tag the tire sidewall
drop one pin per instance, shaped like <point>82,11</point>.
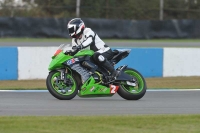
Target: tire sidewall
<point>132,96</point>
<point>55,93</point>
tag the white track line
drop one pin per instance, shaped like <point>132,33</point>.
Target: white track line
<point>150,90</point>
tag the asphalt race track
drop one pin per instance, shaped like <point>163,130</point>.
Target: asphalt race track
<point>44,104</point>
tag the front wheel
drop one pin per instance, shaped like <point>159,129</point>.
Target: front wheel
<point>133,92</point>
<point>63,90</point>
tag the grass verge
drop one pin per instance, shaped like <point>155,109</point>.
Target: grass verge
<point>101,124</point>
<point>152,83</point>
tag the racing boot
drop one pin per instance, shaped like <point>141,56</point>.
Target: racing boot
<point>114,73</point>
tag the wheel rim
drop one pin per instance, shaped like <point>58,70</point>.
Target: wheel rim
<point>60,87</point>
<point>139,82</point>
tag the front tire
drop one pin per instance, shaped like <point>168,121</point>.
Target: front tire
<point>59,89</point>
<point>130,92</point>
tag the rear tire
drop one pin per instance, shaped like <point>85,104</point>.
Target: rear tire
<point>56,87</point>
<point>133,93</point>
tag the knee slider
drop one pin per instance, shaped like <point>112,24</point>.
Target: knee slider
<point>101,58</point>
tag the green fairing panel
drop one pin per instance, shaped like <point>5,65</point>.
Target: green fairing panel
<point>92,89</point>
<point>58,60</point>
<point>84,52</point>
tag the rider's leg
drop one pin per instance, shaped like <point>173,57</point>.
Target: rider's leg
<point>102,61</point>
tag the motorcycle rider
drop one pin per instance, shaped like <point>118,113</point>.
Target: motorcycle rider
<point>85,38</point>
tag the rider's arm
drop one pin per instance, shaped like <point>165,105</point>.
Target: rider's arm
<point>73,52</point>
<point>89,35</point>
<point>73,42</point>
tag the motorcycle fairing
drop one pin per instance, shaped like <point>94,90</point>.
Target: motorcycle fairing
<point>57,61</point>
<point>76,64</point>
<point>93,89</point>
<point>84,52</point>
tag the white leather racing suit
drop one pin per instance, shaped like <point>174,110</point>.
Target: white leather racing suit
<point>90,40</point>
<point>103,53</point>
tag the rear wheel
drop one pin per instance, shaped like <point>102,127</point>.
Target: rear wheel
<point>60,89</point>
<point>132,92</point>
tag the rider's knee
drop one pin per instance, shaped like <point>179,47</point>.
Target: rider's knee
<point>99,58</point>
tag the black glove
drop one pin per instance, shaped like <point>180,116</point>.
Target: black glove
<point>77,47</point>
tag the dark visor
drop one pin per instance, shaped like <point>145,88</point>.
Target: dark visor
<point>71,30</point>
<point>74,36</point>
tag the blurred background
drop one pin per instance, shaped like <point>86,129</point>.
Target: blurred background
<point>110,9</point>
<point>135,19</point>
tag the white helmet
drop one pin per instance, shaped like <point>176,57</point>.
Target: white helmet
<point>75,27</point>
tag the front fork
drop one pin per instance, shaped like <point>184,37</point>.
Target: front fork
<point>63,75</point>
<point>66,81</point>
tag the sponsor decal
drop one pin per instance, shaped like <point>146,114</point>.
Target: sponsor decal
<point>92,89</point>
<point>113,89</point>
<point>72,61</point>
<point>83,89</point>
<point>103,90</point>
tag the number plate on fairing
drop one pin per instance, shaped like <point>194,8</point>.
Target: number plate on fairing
<point>113,89</point>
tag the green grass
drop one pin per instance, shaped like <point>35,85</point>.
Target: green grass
<point>106,40</point>
<point>101,124</point>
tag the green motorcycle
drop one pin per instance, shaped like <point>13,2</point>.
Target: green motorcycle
<point>75,73</point>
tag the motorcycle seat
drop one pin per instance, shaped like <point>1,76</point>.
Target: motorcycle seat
<point>119,54</point>
<point>115,52</point>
